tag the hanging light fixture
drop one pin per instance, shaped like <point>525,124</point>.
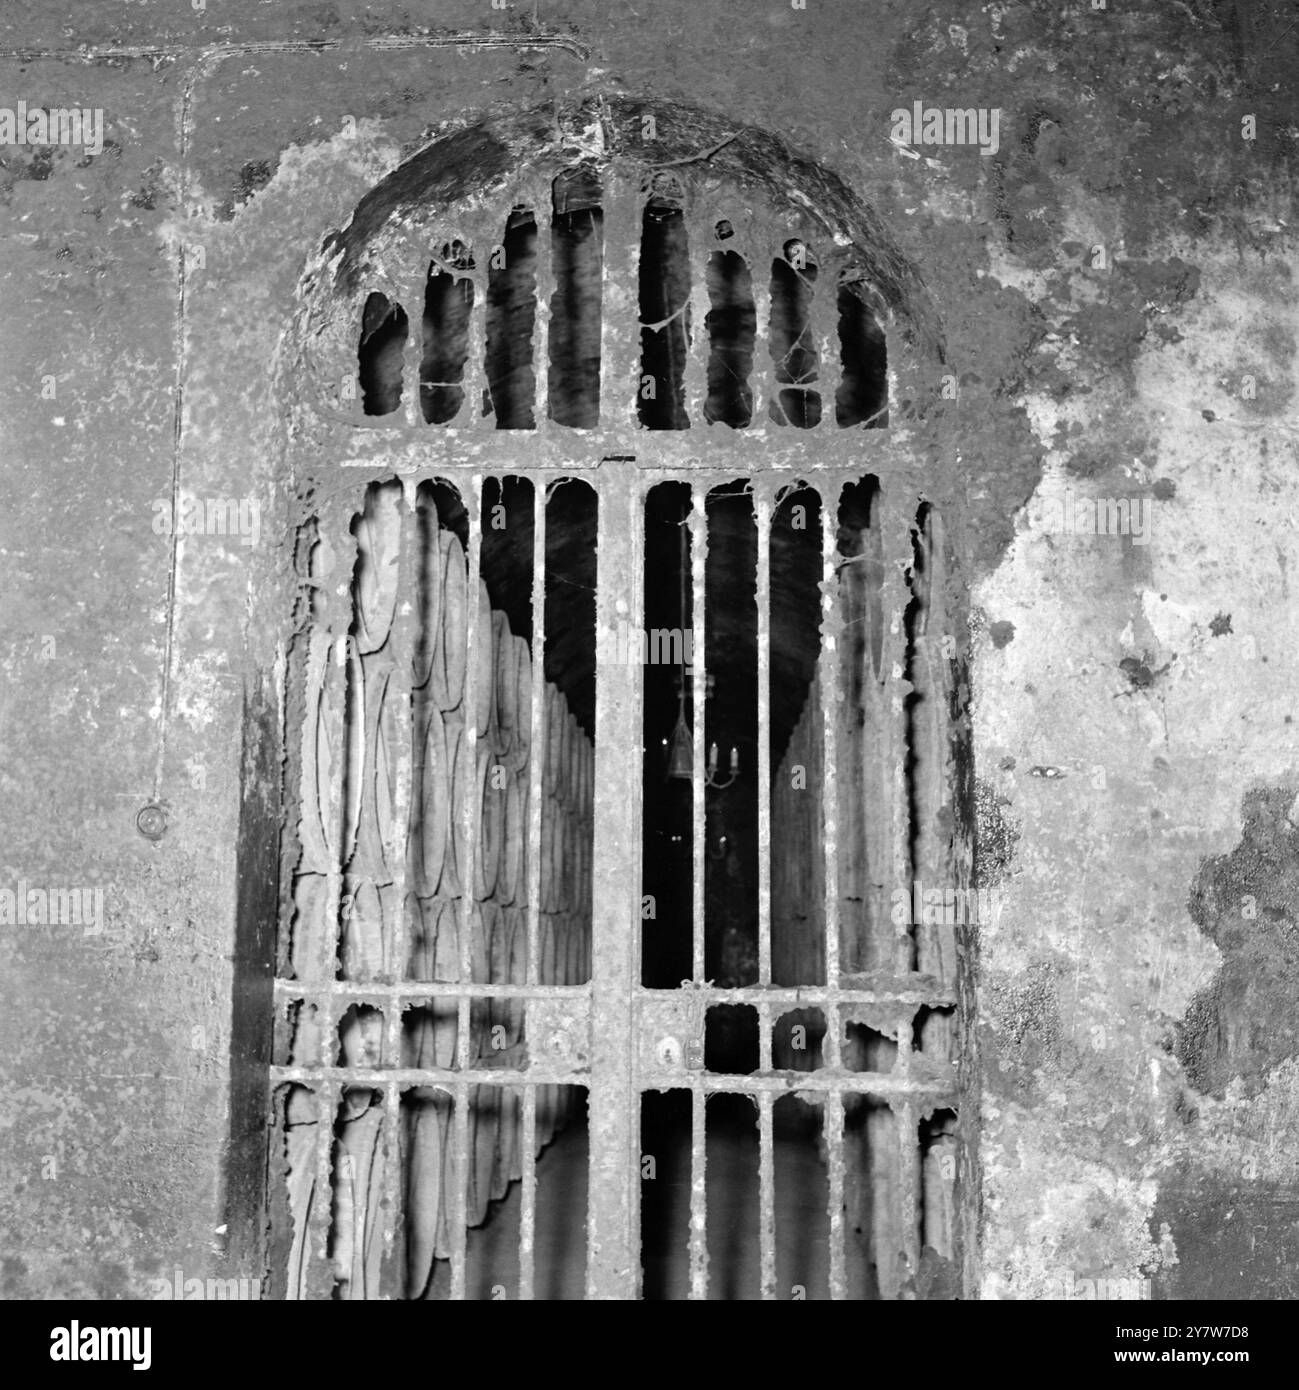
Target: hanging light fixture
<point>681,743</point>
<point>681,749</point>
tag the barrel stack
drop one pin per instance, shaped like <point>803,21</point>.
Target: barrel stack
<point>390,748</point>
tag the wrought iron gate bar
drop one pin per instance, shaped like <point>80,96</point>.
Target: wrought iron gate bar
<point>925,993</point>
<point>539,734</point>
<point>937,1087</point>
<point>766,1194</point>
<point>762,520</point>
<point>673,458</point>
<point>611,1028</point>
<point>698,1195</point>
<point>612,1208</point>
<point>528,1204</point>
<point>698,626</point>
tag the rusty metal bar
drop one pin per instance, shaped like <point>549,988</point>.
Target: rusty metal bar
<point>390,1148</point>
<point>937,1086</point>
<point>762,519</point>
<point>340,617</point>
<point>612,1254</point>
<point>823,331</point>
<point>938,860</point>
<point>834,1150</point>
<point>830,692</point>
<point>884,1084</point>
<point>762,375</point>
<point>411,299</point>
<point>400,689</point>
<point>926,992</point>
<point>460,1171</point>
<point>620,359</point>
<point>543,290</point>
<point>539,723</point>
<point>895,524</point>
<point>471,497</point>
<point>831,695</point>
<point>322,1214</point>
<point>907,1127</point>
<point>474,377</point>
<point>799,453</point>
<point>698,722</point>
<point>699,1188</point>
<point>695,371</point>
<point>909,1178</point>
<point>528,1195</point>
<point>416,990</point>
<point>766,1191</point>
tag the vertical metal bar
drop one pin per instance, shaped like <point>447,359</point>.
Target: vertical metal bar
<point>823,330</point>
<point>469,752</point>
<point>698,718</point>
<point>895,524</point>
<point>762,378</point>
<point>470,414</point>
<point>831,625</point>
<point>538,735</point>
<point>695,372</point>
<point>875,748</point>
<point>829,683</point>
<point>908,1131</point>
<point>389,1142</point>
<point>472,499</point>
<point>528,1196</point>
<point>405,618</point>
<point>834,1152</point>
<point>612,1256</point>
<point>620,359</point>
<point>540,731</point>
<point>543,289</point>
<point>698,1195</point>
<point>339,616</point>
<point>460,1169</point>
<point>412,304</point>
<point>762,506</point>
<point>766,1188</point>
<point>322,1215</point>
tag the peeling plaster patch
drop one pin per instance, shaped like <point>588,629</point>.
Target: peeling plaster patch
<point>995,836</point>
<point>363,150</point>
<point>1234,1170</point>
<point>254,175</point>
<point>1026,1013</point>
<point>1236,351</point>
<point>1247,903</point>
<point>1058,1220</point>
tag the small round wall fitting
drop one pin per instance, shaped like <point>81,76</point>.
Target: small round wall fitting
<point>151,821</point>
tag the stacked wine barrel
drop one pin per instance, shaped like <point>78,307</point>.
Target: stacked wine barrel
<point>505,778</point>
<point>409,760</point>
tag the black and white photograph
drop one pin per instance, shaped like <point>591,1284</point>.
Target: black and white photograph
<point>649,653</point>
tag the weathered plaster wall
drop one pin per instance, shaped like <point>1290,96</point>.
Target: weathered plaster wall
<point>1131,1123</point>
